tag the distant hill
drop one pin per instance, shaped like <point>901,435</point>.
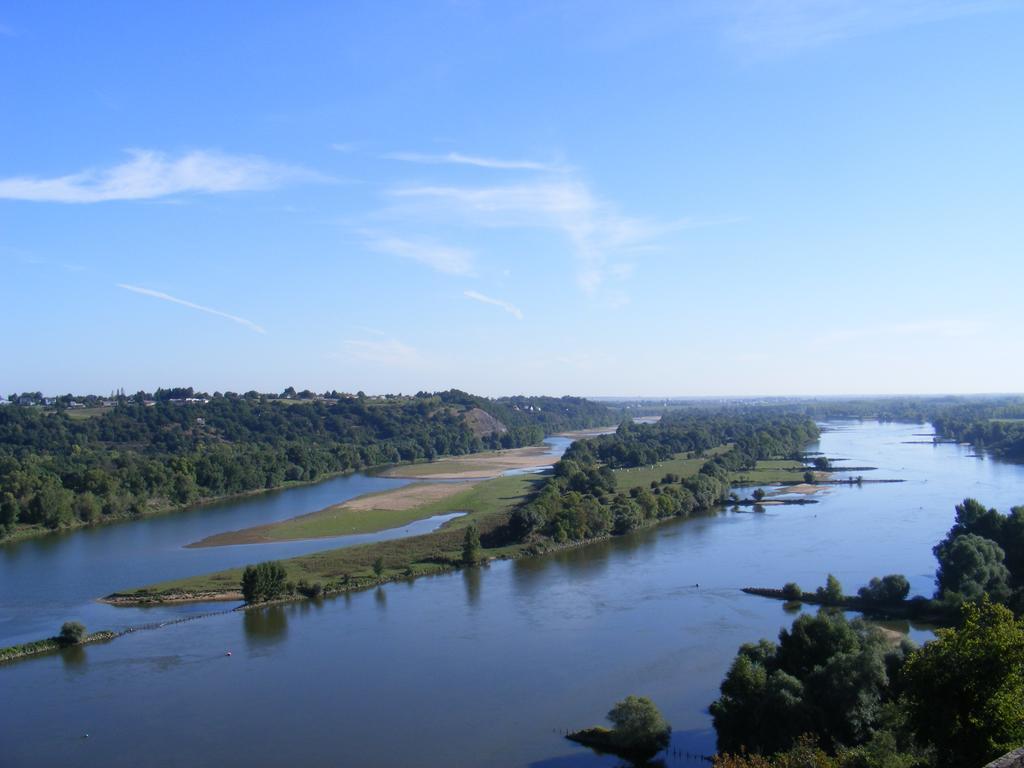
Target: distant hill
<point>77,460</point>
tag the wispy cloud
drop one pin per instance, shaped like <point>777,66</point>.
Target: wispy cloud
<point>512,309</point>
<point>345,148</point>
<point>777,26</point>
<point>149,174</point>
<point>600,237</point>
<point>191,305</point>
<point>443,258</point>
<point>457,158</point>
<point>384,351</point>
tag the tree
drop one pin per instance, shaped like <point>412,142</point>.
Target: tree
<point>378,567</point>
<point>889,589</point>
<point>970,567</point>
<point>639,726</point>
<point>471,545</point>
<point>8,512</point>
<point>758,494</point>
<point>792,591</point>
<point>808,477</point>
<point>825,675</point>
<point>822,464</point>
<point>965,690</point>
<point>263,582</point>
<point>832,592</point>
<point>71,633</point>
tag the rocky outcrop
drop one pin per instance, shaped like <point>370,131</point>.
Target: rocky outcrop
<point>1013,759</point>
<point>482,423</point>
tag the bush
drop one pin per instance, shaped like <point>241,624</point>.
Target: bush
<point>792,591</point>
<point>310,590</point>
<point>639,726</point>
<point>893,588</point>
<point>71,633</point>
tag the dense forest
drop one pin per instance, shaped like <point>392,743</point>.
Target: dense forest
<point>74,461</point>
<point>582,500</point>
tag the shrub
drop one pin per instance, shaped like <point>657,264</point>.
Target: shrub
<point>71,633</point>
<point>890,589</point>
<point>792,591</point>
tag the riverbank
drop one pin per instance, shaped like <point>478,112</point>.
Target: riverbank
<point>51,645</point>
<point>477,466</point>
<point>370,513</point>
<point>338,569</point>
<point>487,505</point>
<point>918,609</point>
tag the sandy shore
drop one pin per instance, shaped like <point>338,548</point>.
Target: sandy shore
<point>397,500</point>
<point>476,466</point>
<point>804,488</point>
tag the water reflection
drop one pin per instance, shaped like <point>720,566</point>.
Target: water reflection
<point>471,577</point>
<point>265,626</point>
<point>74,658</point>
<point>380,597</point>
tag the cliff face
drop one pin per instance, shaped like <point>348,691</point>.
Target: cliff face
<point>1013,759</point>
<point>482,423</point>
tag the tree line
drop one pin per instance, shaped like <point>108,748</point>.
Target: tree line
<point>582,499</point>
<point>174,447</point>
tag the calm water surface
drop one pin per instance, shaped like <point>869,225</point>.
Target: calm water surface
<point>479,667</point>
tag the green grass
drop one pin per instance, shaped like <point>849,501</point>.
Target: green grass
<point>81,414</point>
<point>774,471</point>
<point>483,498</point>
<point>679,464</point>
<point>488,505</point>
<point>642,476</point>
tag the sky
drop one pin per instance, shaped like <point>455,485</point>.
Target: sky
<point>739,197</point>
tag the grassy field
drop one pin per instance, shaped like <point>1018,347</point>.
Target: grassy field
<point>642,476</point>
<point>781,471</point>
<point>488,504</point>
<point>81,414</point>
<point>679,464</point>
<point>482,498</point>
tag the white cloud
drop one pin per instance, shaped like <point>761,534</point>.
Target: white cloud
<point>600,237</point>
<point>384,351</point>
<point>783,25</point>
<point>149,174</point>
<point>208,310</point>
<point>457,158</point>
<point>510,308</point>
<point>443,258</point>
<point>343,147</point>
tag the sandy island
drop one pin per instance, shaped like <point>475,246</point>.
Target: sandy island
<point>476,466</point>
<point>391,509</point>
<point>350,514</point>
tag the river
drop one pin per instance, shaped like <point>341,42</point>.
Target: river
<point>479,667</point>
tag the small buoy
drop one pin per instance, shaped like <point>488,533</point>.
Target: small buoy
<point>228,653</point>
<point>85,735</point>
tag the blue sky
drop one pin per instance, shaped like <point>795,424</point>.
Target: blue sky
<point>720,198</point>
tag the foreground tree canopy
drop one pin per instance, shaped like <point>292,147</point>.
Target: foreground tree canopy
<point>825,676</point>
